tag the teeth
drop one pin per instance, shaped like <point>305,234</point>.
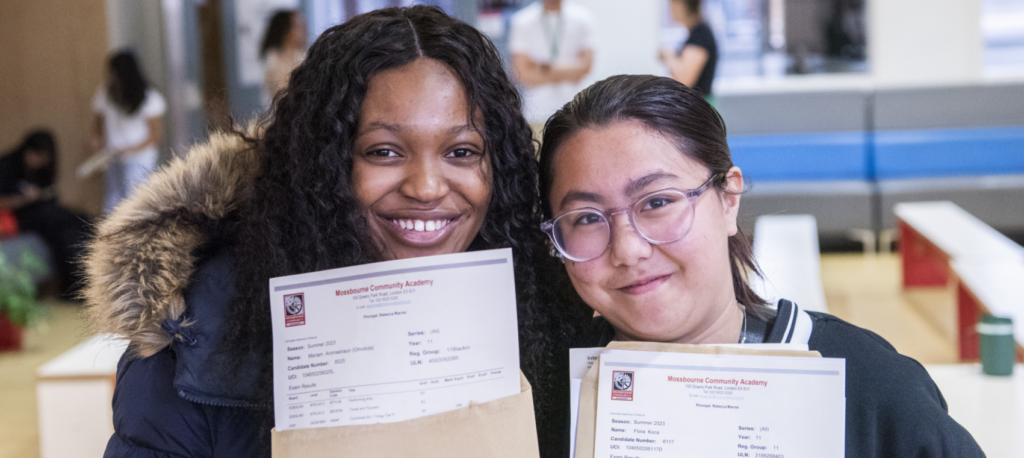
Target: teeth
<point>421,225</point>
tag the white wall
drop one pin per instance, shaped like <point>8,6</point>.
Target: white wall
<point>626,37</point>
<point>925,41</point>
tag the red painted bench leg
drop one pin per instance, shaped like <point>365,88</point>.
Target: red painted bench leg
<point>967,313</point>
<point>923,263</point>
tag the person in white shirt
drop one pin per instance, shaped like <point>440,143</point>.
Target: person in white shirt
<point>283,48</point>
<point>552,51</point>
<point>129,124</point>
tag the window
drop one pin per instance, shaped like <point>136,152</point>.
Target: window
<point>1002,26</point>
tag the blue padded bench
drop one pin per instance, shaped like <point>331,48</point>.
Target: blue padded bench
<point>962,143</point>
<point>802,157</point>
<point>949,152</point>
<point>804,153</point>
<point>848,156</point>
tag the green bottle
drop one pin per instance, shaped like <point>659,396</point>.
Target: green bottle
<point>998,349</point>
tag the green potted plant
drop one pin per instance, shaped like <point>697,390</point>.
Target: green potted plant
<point>18,306</point>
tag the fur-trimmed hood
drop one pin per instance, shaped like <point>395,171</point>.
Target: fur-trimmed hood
<point>142,257</point>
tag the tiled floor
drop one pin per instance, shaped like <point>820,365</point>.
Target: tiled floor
<point>864,290</point>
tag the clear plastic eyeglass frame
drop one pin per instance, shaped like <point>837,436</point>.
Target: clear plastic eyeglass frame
<point>691,195</point>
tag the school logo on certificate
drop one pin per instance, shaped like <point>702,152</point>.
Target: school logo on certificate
<point>294,310</point>
<point>622,385</point>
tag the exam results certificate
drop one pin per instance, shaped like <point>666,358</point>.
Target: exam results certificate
<point>395,340</point>
<point>677,404</point>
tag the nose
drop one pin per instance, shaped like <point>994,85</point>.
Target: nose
<point>425,180</point>
<point>628,247</point>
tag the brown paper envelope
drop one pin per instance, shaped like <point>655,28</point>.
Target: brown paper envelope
<point>501,428</point>
<point>587,422</point>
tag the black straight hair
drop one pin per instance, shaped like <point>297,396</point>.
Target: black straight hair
<point>128,87</point>
<point>280,24</point>
<point>42,141</point>
<point>673,110</point>
<point>693,6</point>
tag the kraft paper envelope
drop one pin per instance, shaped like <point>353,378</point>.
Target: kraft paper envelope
<point>588,389</point>
<point>501,428</point>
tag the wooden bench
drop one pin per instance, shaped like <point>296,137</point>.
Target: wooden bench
<point>786,250</point>
<point>74,393</point>
<point>988,287</point>
<point>934,233</point>
<point>990,408</point>
<point>943,245</point>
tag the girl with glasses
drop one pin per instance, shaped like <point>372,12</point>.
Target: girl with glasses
<point>641,197</point>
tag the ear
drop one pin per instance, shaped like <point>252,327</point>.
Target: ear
<point>731,198</point>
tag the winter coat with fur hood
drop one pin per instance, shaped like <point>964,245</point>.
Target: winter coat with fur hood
<point>158,275</point>
<point>160,283</point>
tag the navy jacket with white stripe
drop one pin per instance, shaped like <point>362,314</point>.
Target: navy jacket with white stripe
<point>893,408</point>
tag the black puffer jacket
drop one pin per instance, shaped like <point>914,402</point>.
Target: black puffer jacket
<point>186,400</point>
<point>158,276</point>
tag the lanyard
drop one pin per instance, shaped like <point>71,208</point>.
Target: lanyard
<point>553,38</point>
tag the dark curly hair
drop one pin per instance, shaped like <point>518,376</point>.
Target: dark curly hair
<point>675,111</point>
<point>303,215</point>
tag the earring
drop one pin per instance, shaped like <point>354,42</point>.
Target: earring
<point>554,253</point>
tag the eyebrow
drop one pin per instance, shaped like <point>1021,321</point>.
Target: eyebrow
<point>581,196</point>
<point>637,185</point>
<point>377,125</point>
<point>398,129</point>
<point>633,187</point>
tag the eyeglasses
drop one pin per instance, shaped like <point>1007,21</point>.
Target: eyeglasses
<point>663,216</point>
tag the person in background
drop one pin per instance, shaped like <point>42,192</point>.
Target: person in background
<point>283,48</point>
<point>27,178</point>
<point>552,51</point>
<point>693,64</point>
<point>128,124</point>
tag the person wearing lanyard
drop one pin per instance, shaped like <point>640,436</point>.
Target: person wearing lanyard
<point>552,52</point>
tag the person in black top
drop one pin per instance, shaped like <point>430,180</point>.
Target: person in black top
<point>27,177</point>
<point>693,64</point>
<point>641,199</point>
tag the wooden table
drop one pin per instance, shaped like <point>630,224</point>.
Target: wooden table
<point>941,244</point>
<point>995,287</point>
<point>990,408</point>
<point>934,233</point>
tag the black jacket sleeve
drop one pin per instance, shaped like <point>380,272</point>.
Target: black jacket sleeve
<point>893,408</point>
<point>150,419</point>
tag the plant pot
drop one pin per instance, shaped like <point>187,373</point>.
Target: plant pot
<point>10,334</point>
